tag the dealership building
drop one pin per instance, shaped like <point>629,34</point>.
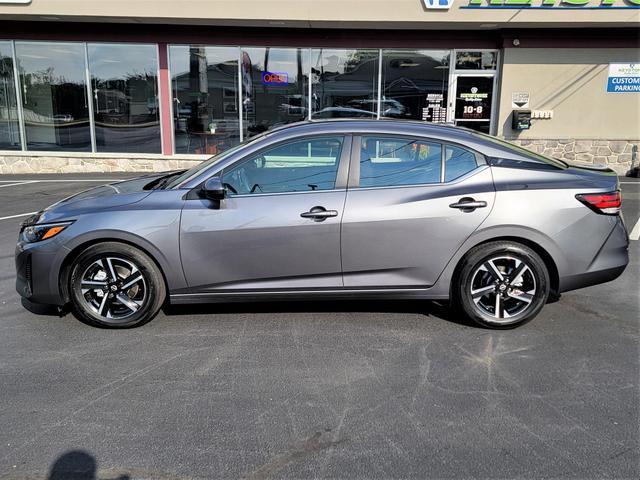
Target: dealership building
<point>88,86</point>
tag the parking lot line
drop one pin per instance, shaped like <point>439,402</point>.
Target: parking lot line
<point>635,232</point>
<point>17,216</point>
<point>25,182</point>
<point>51,180</point>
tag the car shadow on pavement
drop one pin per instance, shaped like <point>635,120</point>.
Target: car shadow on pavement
<point>440,310</point>
<point>78,465</point>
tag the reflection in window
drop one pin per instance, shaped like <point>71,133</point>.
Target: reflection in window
<point>415,84</point>
<point>482,127</point>
<point>274,86</point>
<point>458,161</point>
<point>54,95</point>
<point>205,98</point>
<point>9,128</point>
<point>344,83</point>
<point>399,161</point>
<point>124,85</point>
<point>476,60</point>
<point>300,166</point>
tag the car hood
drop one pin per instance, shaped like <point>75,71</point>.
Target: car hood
<point>98,198</point>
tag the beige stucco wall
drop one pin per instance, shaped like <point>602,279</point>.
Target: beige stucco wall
<point>315,13</point>
<point>571,82</point>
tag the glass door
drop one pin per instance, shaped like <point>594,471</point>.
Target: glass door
<point>472,101</point>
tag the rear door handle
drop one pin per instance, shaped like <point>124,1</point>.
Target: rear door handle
<point>468,204</point>
<point>319,214</point>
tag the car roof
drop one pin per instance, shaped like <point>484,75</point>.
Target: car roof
<point>375,125</point>
<point>382,127</point>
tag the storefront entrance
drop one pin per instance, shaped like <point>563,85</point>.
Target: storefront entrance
<point>472,101</point>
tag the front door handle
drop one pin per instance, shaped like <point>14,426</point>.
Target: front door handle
<point>468,204</point>
<point>318,214</point>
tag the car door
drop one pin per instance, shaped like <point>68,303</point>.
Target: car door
<point>278,226</point>
<point>411,203</point>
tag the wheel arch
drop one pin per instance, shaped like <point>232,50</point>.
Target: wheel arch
<point>65,268</point>
<point>547,258</point>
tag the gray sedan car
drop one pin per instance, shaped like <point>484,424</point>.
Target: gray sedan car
<point>333,210</point>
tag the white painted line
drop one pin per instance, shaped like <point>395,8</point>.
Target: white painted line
<point>17,216</point>
<point>69,180</point>
<point>635,233</point>
<point>630,183</point>
<point>16,184</point>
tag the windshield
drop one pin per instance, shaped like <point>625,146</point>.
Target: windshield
<point>192,172</point>
<point>523,151</point>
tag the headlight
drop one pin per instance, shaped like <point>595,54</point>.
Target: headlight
<point>36,233</point>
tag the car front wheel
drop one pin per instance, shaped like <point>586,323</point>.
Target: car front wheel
<point>501,284</point>
<point>115,285</point>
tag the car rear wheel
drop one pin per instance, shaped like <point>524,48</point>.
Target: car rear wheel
<point>115,285</point>
<point>501,285</point>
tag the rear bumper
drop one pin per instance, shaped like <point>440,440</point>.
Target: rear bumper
<point>608,264</point>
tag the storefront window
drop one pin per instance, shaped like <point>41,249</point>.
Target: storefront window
<point>344,83</point>
<point>9,127</point>
<point>54,96</point>
<point>274,87</point>
<point>476,60</point>
<point>415,84</point>
<point>205,98</point>
<point>124,87</point>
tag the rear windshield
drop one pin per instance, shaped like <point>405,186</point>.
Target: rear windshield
<point>523,151</point>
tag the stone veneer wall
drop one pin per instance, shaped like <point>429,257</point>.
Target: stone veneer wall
<point>22,163</point>
<point>616,154</point>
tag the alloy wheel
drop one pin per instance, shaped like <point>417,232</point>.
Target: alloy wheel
<point>503,287</point>
<point>113,288</point>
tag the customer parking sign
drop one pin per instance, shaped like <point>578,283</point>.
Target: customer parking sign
<point>624,78</point>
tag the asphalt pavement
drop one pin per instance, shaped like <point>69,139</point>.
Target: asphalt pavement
<point>317,390</point>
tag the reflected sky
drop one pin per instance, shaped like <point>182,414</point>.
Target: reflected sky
<point>66,60</point>
<point>112,61</point>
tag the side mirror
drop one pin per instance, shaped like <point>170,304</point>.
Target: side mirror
<point>213,189</point>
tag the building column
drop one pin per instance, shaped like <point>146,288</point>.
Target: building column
<point>164,91</point>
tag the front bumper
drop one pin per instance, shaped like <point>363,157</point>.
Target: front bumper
<point>37,272</point>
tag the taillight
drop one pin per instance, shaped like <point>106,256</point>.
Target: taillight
<point>605,203</point>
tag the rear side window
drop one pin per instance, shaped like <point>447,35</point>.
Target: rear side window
<point>458,161</point>
<point>394,161</point>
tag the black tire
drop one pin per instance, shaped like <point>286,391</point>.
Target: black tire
<point>132,299</point>
<point>493,270</point>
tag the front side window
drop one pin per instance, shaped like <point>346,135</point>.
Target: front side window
<point>458,162</point>
<point>299,166</point>
<point>399,161</point>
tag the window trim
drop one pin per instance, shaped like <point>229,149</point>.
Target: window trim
<point>356,149</point>
<point>342,171</point>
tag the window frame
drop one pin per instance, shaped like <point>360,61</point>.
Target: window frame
<point>356,150</point>
<point>342,171</point>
